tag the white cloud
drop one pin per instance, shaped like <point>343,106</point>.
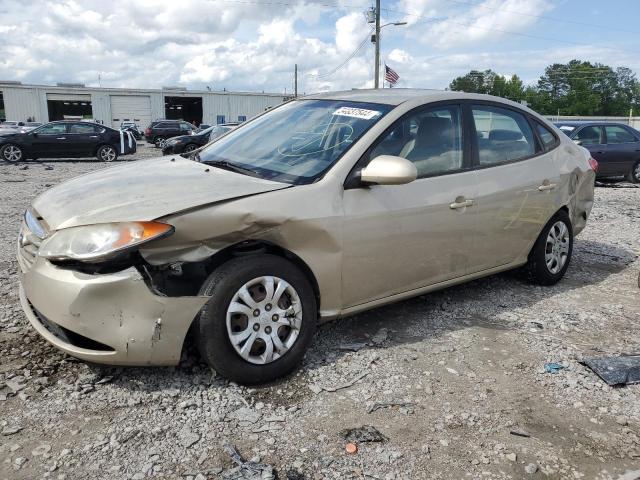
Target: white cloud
<point>248,46</point>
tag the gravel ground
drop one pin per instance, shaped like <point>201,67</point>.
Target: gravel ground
<point>465,365</point>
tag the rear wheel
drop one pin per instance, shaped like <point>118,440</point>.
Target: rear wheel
<point>190,148</point>
<point>107,153</point>
<point>551,254</point>
<point>634,175</point>
<point>159,142</point>
<point>259,321</point>
<point>12,153</point>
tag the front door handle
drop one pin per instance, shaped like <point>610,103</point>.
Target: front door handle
<point>461,203</point>
<point>547,186</point>
<point>61,138</point>
<point>93,136</point>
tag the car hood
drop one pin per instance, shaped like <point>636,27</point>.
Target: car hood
<point>143,191</point>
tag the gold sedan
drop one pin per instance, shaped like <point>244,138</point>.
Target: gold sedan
<point>323,207</point>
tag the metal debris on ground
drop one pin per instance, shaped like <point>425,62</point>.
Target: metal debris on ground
<point>616,370</point>
<point>381,405</point>
<point>366,433</point>
<point>553,368</point>
<point>520,433</point>
<point>352,347</point>
<point>247,470</point>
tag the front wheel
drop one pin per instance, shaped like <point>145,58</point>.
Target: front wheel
<point>259,321</point>
<point>107,153</point>
<point>550,256</point>
<point>634,175</point>
<point>12,153</point>
<point>159,142</point>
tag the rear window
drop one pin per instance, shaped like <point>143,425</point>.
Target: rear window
<point>618,134</point>
<point>548,138</point>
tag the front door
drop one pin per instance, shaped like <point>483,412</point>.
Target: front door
<point>399,238</point>
<point>517,185</point>
<point>592,138</point>
<point>623,149</point>
<point>49,141</point>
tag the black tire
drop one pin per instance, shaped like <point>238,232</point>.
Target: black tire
<point>634,175</point>
<point>190,148</point>
<point>107,153</point>
<point>12,153</point>
<point>211,329</point>
<point>158,141</point>
<point>536,268</point>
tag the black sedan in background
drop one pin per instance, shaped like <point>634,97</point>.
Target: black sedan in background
<point>615,146</point>
<point>188,143</point>
<point>64,139</point>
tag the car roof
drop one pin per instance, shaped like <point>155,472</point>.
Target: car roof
<point>581,123</point>
<point>396,96</point>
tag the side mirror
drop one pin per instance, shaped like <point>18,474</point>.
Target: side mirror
<point>389,170</point>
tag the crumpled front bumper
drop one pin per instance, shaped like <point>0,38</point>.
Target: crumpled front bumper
<point>108,318</point>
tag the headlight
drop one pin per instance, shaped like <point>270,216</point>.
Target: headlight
<point>95,242</point>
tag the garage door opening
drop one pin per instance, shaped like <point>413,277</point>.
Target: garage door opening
<point>69,107</point>
<point>184,108</point>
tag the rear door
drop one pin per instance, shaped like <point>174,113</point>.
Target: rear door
<point>50,141</point>
<point>399,238</point>
<point>517,183</point>
<point>83,139</point>
<point>623,149</point>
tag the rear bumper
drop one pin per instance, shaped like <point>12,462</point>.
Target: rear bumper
<point>113,319</point>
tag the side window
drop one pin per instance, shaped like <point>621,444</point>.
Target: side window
<point>431,139</point>
<point>82,128</point>
<point>548,138</point>
<point>503,135</point>
<point>617,134</point>
<point>185,127</point>
<point>589,136</point>
<point>53,129</point>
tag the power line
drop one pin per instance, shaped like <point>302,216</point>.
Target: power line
<point>346,60</point>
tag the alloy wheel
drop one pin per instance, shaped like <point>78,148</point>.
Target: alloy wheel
<point>11,153</point>
<point>557,247</point>
<point>636,172</point>
<point>264,319</point>
<point>108,154</point>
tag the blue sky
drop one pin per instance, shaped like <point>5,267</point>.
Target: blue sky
<point>253,44</point>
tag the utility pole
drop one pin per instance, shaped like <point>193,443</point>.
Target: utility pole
<point>295,83</point>
<point>376,80</point>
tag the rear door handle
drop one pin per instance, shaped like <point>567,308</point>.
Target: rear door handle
<point>93,136</point>
<point>61,138</point>
<point>461,204</point>
<point>548,186</point>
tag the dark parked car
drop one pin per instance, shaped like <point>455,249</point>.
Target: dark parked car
<point>65,139</point>
<point>159,130</point>
<point>615,146</point>
<point>188,143</point>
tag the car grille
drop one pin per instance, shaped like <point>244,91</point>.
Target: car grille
<point>31,235</point>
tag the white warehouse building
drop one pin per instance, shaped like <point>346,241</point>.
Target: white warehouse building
<point>111,106</point>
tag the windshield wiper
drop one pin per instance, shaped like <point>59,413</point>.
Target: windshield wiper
<point>226,165</point>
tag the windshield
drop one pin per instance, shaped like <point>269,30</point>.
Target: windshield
<point>297,142</point>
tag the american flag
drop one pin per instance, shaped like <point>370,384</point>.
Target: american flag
<point>390,75</point>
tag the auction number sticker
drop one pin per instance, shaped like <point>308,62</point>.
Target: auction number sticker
<point>567,127</point>
<point>362,113</point>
